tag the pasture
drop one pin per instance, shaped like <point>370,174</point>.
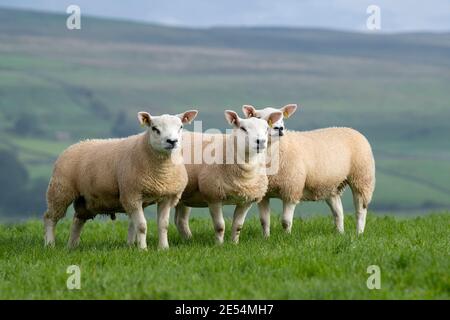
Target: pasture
<point>314,262</point>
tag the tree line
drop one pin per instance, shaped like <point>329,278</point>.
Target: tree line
<point>20,195</point>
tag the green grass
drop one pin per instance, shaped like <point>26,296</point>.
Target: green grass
<point>312,262</point>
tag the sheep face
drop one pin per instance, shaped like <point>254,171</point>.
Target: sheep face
<point>251,134</point>
<point>277,129</point>
<point>165,132</point>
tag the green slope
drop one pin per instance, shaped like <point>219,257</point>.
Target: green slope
<point>78,84</point>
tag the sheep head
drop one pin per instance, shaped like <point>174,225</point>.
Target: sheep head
<point>165,131</point>
<point>278,127</point>
<point>251,134</point>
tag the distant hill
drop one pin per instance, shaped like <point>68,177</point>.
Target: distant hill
<point>58,86</point>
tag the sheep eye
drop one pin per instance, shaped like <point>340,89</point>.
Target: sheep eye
<point>243,129</point>
<point>181,127</point>
<point>154,129</point>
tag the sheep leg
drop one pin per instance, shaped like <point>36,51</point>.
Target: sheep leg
<point>131,233</point>
<point>163,213</point>
<point>75,231</point>
<point>264,216</point>
<point>238,220</point>
<point>335,205</point>
<point>49,226</point>
<point>59,197</point>
<point>288,216</point>
<point>140,227</point>
<point>361,212</point>
<point>182,220</point>
<point>215,210</point>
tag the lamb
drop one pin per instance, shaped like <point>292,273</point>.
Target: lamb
<point>121,175</point>
<point>317,165</point>
<point>220,183</point>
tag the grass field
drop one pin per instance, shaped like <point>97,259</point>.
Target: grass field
<point>313,262</point>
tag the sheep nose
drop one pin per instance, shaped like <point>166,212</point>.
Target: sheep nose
<point>260,141</point>
<point>172,142</point>
<point>281,132</point>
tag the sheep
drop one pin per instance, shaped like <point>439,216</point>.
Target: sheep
<point>220,183</point>
<point>317,165</point>
<point>121,175</point>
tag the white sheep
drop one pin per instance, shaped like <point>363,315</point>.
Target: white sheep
<point>105,176</point>
<point>220,183</point>
<point>317,165</point>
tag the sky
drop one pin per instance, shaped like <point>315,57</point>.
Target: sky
<point>396,15</point>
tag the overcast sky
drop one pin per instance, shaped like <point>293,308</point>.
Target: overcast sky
<point>396,15</point>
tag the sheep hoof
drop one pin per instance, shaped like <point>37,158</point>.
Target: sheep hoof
<point>187,236</point>
<point>72,245</point>
<point>49,244</point>
<point>287,228</point>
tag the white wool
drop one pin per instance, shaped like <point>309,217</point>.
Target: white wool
<point>120,175</point>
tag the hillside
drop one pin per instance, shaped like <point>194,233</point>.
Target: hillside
<point>58,86</point>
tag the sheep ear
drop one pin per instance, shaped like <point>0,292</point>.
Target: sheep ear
<point>188,116</point>
<point>232,118</point>
<point>274,117</point>
<point>288,110</point>
<point>249,111</point>
<point>144,118</point>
